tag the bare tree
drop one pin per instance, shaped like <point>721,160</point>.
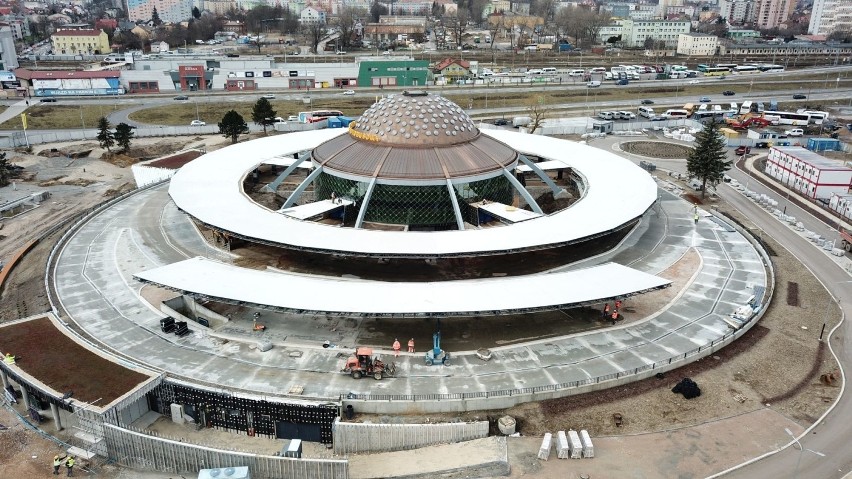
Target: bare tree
<point>315,32</point>
<point>543,9</point>
<point>495,24</point>
<point>535,107</point>
<point>476,7</point>
<point>457,25</point>
<point>345,24</point>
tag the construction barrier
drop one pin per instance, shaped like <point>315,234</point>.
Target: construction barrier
<point>350,437</point>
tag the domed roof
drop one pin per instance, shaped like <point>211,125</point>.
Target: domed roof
<point>415,118</point>
<point>414,137</point>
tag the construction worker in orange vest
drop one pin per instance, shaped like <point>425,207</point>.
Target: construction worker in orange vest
<point>411,345</point>
<point>614,316</point>
<point>606,310</point>
<point>396,347</point>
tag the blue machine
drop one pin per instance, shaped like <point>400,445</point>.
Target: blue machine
<point>436,354</point>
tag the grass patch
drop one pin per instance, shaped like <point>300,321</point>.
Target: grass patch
<point>60,117</point>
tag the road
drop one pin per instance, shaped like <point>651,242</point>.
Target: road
<point>832,435</point>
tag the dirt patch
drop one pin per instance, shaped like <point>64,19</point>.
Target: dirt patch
<point>119,159</point>
<point>176,161</point>
<point>656,149</point>
<point>62,364</point>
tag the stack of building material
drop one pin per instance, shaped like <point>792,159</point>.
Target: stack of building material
<point>576,445</point>
<point>544,451</point>
<point>563,448</point>
<point>588,447</point>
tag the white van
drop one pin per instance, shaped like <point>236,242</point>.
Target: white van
<point>593,84</point>
<point>548,71</point>
<point>576,73</point>
<point>646,112</point>
<point>597,70</point>
<point>608,75</point>
<point>534,71</point>
<point>676,114</point>
<point>605,115</point>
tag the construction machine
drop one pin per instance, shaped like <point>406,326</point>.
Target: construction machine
<point>363,363</point>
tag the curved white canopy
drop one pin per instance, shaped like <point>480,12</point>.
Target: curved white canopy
<point>326,294</point>
<point>209,189</point>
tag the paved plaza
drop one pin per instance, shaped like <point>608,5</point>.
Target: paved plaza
<point>147,231</point>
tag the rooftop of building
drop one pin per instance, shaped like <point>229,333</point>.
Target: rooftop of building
<point>812,158</point>
<point>415,135</point>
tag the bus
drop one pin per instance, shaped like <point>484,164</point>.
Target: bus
<point>709,71</point>
<point>746,107</point>
<point>317,115</point>
<point>789,118</point>
<point>771,68</point>
<point>678,68</point>
<point>705,116</point>
<point>729,66</point>
<point>817,117</point>
<point>746,69</point>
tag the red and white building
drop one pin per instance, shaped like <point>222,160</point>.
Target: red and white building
<point>807,172</point>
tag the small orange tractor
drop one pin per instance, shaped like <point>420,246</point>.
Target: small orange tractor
<point>362,363</point>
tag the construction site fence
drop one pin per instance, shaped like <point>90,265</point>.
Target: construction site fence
<point>143,451</point>
<point>583,385</point>
<point>18,139</point>
<point>350,438</point>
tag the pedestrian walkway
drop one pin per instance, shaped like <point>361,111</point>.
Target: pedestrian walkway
<point>15,110</point>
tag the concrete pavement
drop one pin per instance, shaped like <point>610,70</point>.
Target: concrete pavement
<point>142,232</point>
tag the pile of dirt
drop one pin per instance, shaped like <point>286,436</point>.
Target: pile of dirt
<point>70,182</point>
<point>121,189</point>
<point>119,159</point>
<point>688,388</point>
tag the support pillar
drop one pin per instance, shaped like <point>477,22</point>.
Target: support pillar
<point>523,192</point>
<point>541,174</point>
<point>26,397</point>
<point>57,421</point>
<point>5,378</point>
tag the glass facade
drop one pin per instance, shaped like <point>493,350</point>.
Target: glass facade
<point>419,207</point>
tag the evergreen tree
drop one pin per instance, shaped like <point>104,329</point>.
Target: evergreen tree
<point>123,135</point>
<point>5,170</point>
<point>105,137</point>
<point>263,114</point>
<point>708,160</point>
<point>196,13</point>
<point>155,18</point>
<point>232,126</point>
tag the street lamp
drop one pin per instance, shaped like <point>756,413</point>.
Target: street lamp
<point>801,451</point>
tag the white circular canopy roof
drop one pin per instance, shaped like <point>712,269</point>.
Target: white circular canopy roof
<point>210,189</point>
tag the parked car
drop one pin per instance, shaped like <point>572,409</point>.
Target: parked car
<point>348,92</point>
<point>799,96</point>
<point>197,123</point>
<point>181,98</point>
<point>501,122</point>
<point>658,118</point>
<point>795,132</point>
<point>729,93</point>
<point>269,96</point>
<point>647,102</point>
<point>593,84</point>
<point>704,99</point>
<point>626,115</point>
<point>742,150</point>
<point>48,100</point>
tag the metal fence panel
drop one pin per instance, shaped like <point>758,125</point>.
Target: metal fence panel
<point>144,451</point>
<point>358,437</point>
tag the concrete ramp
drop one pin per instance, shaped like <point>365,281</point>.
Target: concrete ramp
<point>487,457</point>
